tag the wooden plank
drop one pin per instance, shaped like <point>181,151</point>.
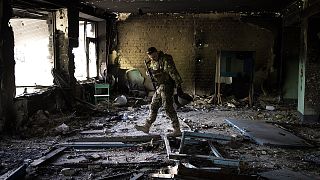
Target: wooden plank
<point>266,134</point>
<point>208,136</point>
<point>140,164</point>
<point>182,142</point>
<point>145,138</point>
<point>167,144</point>
<point>96,144</point>
<point>124,175</point>
<point>100,131</point>
<point>19,173</point>
<point>48,157</point>
<point>162,176</point>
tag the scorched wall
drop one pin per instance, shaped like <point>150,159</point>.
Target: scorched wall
<point>179,35</point>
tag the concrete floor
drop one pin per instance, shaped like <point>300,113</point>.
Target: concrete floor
<point>198,116</point>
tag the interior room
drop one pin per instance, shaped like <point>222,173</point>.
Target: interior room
<point>161,89</point>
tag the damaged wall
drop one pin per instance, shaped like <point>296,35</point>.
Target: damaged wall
<point>312,83</point>
<point>63,61</point>
<point>291,62</point>
<point>190,37</point>
<point>309,64</point>
<point>102,46</point>
<point>7,80</point>
<point>66,34</point>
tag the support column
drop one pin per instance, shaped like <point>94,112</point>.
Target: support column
<point>302,69</point>
<point>7,63</point>
<point>62,45</point>
<point>66,38</point>
<point>309,64</point>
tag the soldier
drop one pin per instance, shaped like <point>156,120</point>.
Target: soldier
<point>166,76</point>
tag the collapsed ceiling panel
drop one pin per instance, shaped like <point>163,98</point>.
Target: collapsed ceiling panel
<point>188,6</point>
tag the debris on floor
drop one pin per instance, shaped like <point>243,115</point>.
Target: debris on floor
<point>102,143</point>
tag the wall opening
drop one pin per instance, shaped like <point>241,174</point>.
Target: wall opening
<point>236,71</point>
<point>33,54</point>
<point>86,53</point>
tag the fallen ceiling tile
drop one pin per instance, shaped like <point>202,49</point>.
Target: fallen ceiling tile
<point>267,134</point>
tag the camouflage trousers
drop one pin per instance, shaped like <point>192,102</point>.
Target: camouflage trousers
<point>163,97</point>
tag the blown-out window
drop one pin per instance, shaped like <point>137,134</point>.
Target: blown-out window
<point>32,53</point>
<point>86,53</point>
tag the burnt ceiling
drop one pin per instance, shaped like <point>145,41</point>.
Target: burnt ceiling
<point>189,6</point>
<point>257,7</point>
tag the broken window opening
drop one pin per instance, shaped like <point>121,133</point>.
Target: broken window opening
<point>234,75</point>
<point>92,57</point>
<point>33,54</point>
<point>86,53</point>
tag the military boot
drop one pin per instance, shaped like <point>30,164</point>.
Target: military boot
<point>176,130</point>
<point>145,128</point>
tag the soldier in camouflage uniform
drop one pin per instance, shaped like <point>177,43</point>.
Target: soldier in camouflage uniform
<point>166,76</point>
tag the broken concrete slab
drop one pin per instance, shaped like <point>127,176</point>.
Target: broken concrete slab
<point>266,134</point>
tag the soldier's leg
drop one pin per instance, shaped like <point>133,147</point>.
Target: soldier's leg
<point>167,101</point>
<point>154,107</point>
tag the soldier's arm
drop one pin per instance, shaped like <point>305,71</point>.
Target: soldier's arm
<point>172,71</point>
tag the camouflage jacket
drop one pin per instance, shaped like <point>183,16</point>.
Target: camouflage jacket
<point>164,70</point>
